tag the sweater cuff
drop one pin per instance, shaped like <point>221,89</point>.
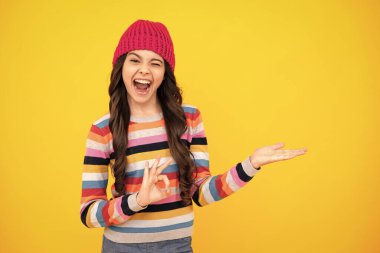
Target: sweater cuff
<point>132,202</point>
<point>129,204</point>
<point>248,168</point>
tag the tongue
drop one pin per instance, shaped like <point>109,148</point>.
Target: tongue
<point>141,86</point>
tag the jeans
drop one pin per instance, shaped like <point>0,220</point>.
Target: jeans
<point>182,245</point>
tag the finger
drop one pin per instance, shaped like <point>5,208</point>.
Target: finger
<point>165,179</point>
<point>300,151</point>
<point>145,177</point>
<point>163,166</point>
<point>278,145</point>
<point>154,166</point>
<point>287,154</point>
<point>291,152</point>
<point>165,192</point>
<point>297,152</point>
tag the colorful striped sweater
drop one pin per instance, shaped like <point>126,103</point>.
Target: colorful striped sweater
<point>123,219</point>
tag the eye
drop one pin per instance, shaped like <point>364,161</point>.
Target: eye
<point>156,63</point>
<point>133,60</point>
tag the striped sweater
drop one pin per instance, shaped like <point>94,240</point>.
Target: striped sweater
<point>124,221</point>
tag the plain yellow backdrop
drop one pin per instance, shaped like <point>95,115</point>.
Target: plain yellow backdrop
<point>302,72</point>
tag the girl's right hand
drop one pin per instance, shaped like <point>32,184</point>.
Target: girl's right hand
<point>150,191</point>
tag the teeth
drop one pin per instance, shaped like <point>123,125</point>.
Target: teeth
<point>142,81</point>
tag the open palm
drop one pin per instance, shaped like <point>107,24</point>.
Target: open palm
<point>273,153</point>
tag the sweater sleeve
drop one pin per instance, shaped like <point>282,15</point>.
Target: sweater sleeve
<point>95,209</point>
<point>213,188</point>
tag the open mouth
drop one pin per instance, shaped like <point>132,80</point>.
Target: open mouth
<point>142,86</point>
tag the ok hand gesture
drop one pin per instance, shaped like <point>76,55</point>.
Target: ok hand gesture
<point>270,154</point>
<point>150,191</point>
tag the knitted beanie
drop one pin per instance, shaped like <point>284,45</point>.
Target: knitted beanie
<point>149,35</point>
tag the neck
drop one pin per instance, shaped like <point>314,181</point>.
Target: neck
<point>147,109</point>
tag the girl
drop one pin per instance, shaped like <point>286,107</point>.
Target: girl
<point>156,148</point>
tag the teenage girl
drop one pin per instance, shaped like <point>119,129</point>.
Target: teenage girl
<point>156,148</point>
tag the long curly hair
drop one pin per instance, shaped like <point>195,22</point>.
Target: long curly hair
<point>170,99</point>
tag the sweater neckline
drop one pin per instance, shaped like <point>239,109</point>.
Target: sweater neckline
<point>151,118</point>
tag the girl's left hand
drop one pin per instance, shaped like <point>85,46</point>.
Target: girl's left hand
<point>270,154</point>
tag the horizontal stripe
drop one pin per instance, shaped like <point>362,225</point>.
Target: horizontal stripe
<point>138,180</point>
<point>201,155</point>
<point>151,229</point>
<point>137,162</point>
<point>93,215</point>
<point>170,199</point>
<point>147,148</point>
<point>95,193</point>
<point>157,222</point>
<point>241,173</point>
<point>83,214</point>
<point>90,168</point>
<point>96,160</point>
<point>213,189</point>
<point>152,147</point>
<point>146,120</point>
<point>140,172</point>
<point>147,237</point>
<point>94,176</point>
<point>199,141</point>
<point>162,215</point>
<point>94,184</point>
<point>147,140</point>
<point>231,182</point>
<point>99,215</point>
<point>205,192</point>
<point>96,135</point>
<point>146,133</point>
<point>198,148</point>
<point>102,121</point>
<point>236,178</point>
<point>164,207</point>
<point>202,163</point>
<point>189,109</point>
<point>96,153</point>
<point>136,187</point>
<point>125,205</point>
<point>96,145</point>
<point>198,130</point>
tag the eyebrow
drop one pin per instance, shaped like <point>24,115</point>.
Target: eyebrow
<point>140,57</point>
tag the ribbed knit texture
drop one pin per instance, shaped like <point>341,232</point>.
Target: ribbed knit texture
<point>123,220</point>
<point>148,35</point>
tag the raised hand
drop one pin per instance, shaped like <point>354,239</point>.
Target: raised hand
<point>270,154</point>
<point>150,190</point>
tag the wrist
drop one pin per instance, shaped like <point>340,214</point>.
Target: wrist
<point>132,202</point>
<point>138,201</point>
<point>254,164</point>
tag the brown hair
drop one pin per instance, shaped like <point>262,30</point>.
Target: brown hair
<point>170,99</point>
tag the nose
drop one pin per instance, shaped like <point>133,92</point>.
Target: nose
<point>144,69</point>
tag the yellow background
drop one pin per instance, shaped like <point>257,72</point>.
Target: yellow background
<point>302,72</point>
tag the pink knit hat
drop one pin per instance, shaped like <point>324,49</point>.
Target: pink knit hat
<point>149,35</point>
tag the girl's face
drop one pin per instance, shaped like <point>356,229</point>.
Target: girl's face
<point>143,72</point>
